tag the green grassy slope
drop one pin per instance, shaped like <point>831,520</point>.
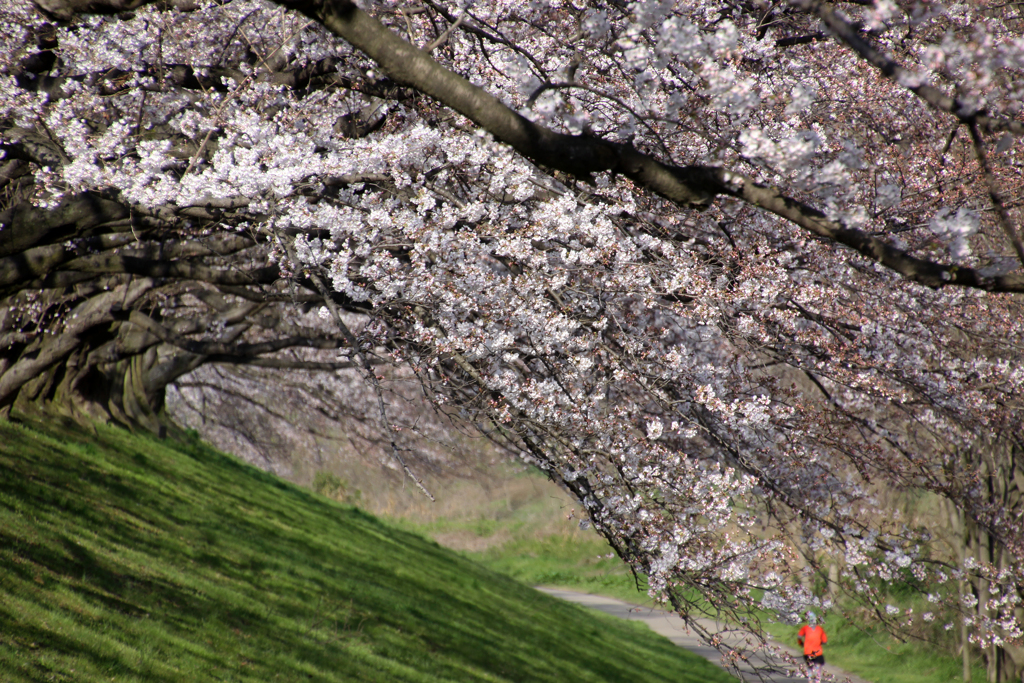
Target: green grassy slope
<point>129,559</point>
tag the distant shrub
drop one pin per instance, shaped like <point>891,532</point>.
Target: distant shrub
<point>332,486</point>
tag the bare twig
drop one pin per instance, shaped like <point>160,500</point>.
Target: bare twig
<point>361,357</point>
<point>364,362</point>
<point>443,38</point>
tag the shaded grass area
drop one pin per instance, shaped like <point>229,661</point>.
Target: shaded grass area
<point>533,542</point>
<point>130,559</point>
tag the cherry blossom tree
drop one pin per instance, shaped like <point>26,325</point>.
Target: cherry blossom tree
<point>731,272</point>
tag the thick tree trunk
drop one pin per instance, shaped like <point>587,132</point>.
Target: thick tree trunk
<point>102,308</point>
<point>90,384</point>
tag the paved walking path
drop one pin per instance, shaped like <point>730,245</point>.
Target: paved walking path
<point>672,627</point>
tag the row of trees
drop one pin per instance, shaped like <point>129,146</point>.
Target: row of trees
<point>730,272</point>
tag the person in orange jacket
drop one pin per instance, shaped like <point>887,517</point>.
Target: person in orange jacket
<point>812,637</point>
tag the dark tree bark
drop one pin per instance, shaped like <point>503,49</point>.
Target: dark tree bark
<point>102,309</point>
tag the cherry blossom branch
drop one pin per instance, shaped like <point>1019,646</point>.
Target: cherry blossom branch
<point>583,156</point>
<point>66,9</point>
<point>238,351</point>
<point>1002,215</point>
<point>117,263</point>
<point>185,76</point>
<point>909,80</point>
<point>543,87</point>
<point>923,271</point>
<point>486,35</point>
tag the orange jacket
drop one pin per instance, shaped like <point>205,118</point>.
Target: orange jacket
<point>813,638</point>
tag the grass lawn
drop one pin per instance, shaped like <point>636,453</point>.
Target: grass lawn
<point>124,558</point>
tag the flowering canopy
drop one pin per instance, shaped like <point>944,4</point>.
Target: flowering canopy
<point>729,271</point>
